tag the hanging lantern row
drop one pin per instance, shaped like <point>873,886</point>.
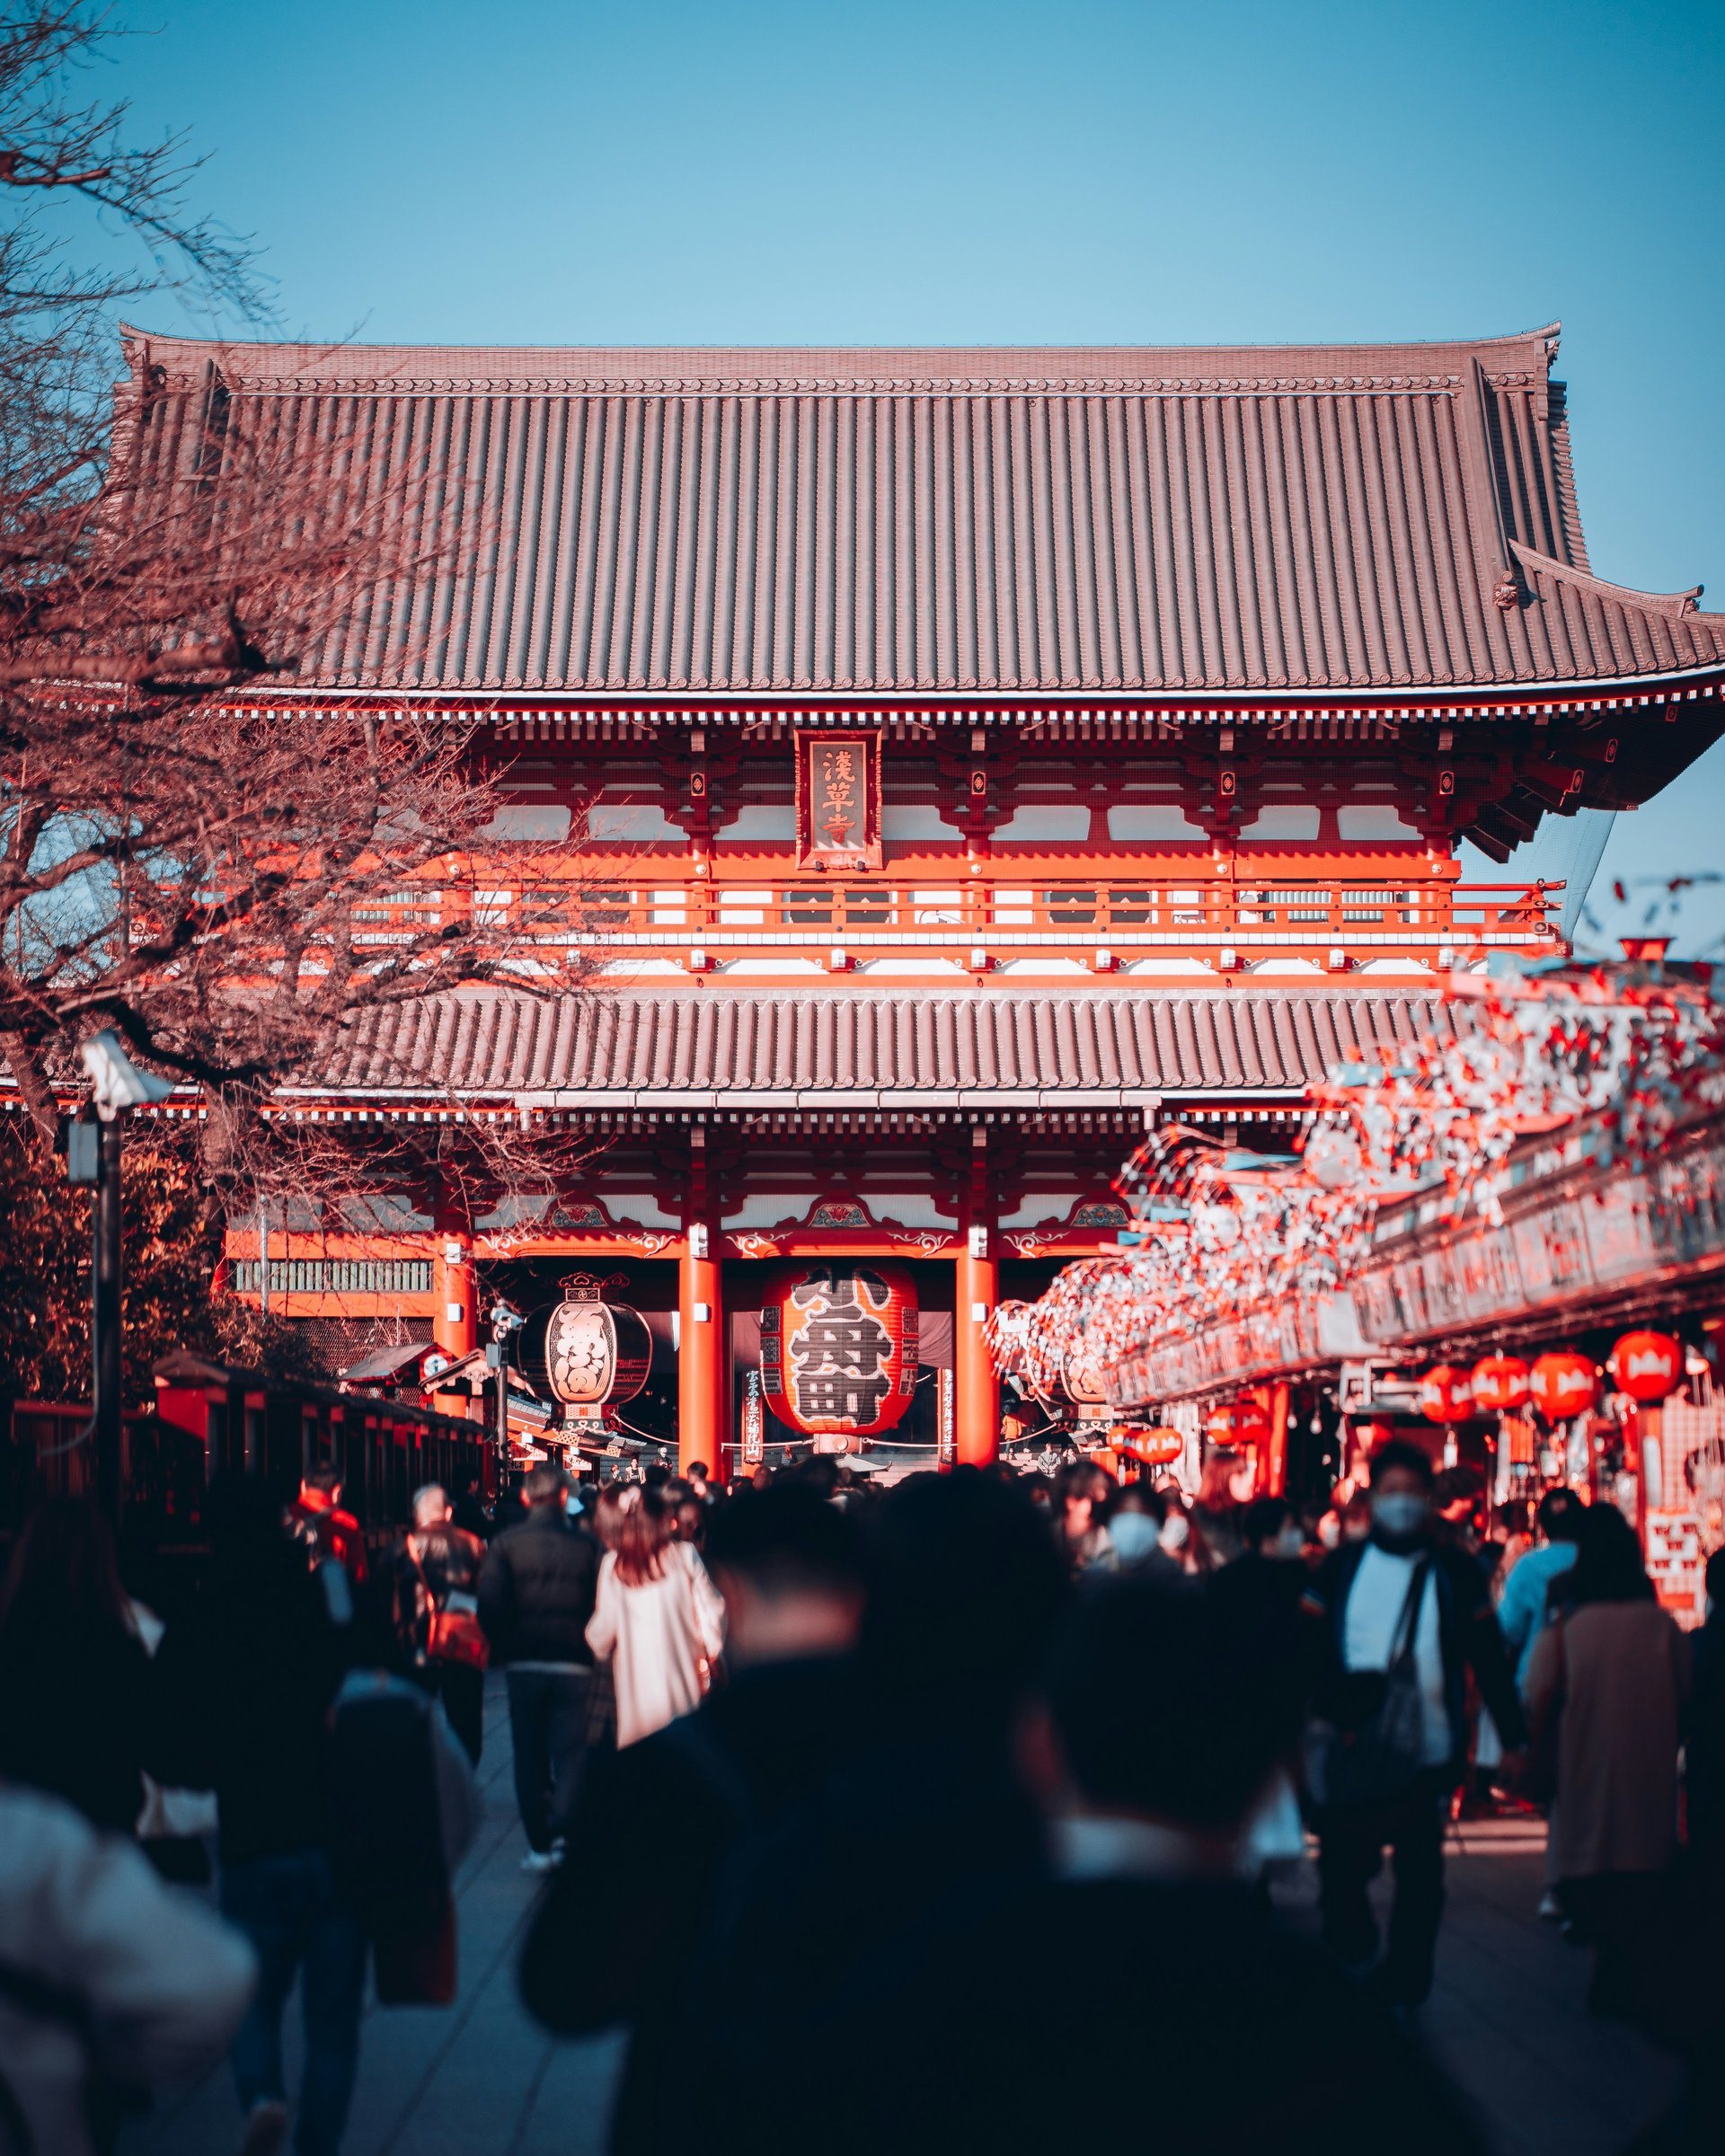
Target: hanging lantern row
<point>1647,1366</point>
<point>1221,1233</point>
<point>1155,1447</point>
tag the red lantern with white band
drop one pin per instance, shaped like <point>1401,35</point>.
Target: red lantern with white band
<point>1239,1422</point>
<point>1563,1385</point>
<point>1499,1383</point>
<point>1646,1365</point>
<point>1446,1394</point>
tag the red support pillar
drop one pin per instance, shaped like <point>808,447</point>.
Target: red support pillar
<point>977,1409</point>
<point>454,1317</point>
<point>701,1374</point>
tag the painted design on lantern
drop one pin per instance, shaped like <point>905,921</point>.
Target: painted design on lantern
<point>838,1348</point>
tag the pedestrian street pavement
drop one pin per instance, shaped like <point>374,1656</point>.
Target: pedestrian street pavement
<point>480,2079</point>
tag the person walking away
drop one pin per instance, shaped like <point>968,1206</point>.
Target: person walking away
<point>1144,1788</point>
<point>324,1533</point>
<point>616,1947</point>
<point>73,1668</point>
<point>111,1985</point>
<point>1606,1690</point>
<point>1258,1594</point>
<point>1524,1604</point>
<point>472,1514</point>
<point>242,1692</point>
<point>659,1620</point>
<point>435,1581</point>
<point>1397,1623</point>
<point>536,1597</point>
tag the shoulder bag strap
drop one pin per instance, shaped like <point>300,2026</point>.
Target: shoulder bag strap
<point>1408,1623</point>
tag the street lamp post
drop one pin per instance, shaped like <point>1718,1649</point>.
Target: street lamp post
<point>94,1157</point>
<point>505,1319</point>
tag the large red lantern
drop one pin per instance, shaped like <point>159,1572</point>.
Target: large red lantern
<point>1646,1365</point>
<point>586,1354</point>
<point>1563,1384</point>
<point>1237,1422</point>
<point>1499,1383</point>
<point>838,1347</point>
<point>1446,1394</point>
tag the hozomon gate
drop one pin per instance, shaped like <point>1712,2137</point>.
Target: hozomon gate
<point>980,754</point>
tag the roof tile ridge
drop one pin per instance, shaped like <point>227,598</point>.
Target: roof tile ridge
<point>1673,605</point>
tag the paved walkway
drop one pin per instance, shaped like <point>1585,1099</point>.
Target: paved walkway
<point>480,2080</point>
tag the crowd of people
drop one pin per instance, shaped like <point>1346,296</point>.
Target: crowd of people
<point>980,1753</point>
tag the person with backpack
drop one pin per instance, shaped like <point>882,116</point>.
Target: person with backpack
<point>1396,1623</point>
<point>321,1529</point>
<point>434,1581</point>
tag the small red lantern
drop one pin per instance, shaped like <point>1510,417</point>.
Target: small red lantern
<point>1499,1383</point>
<point>1563,1385</point>
<point>1646,1365</point>
<point>838,1347</point>
<point>1446,1394</point>
<point>1155,1447</point>
<point>1239,1422</point>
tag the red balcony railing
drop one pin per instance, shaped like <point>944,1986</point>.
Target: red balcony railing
<point>840,921</point>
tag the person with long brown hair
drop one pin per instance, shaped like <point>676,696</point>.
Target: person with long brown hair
<point>658,1618</point>
<point>74,1674</point>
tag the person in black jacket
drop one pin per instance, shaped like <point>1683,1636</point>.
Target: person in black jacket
<point>536,1595</point>
<point>242,1690</point>
<point>72,1667</point>
<point>1403,1587</point>
<point>1152,1737</point>
<point>614,1946</point>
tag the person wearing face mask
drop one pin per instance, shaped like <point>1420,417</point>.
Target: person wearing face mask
<point>1137,1528</point>
<point>1395,1624</point>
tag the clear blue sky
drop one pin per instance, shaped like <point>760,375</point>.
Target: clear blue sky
<point>894,172</point>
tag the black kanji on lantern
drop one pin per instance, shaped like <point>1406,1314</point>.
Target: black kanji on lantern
<point>843,1354</point>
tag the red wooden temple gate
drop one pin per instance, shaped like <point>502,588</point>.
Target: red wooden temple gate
<point>973,755</point>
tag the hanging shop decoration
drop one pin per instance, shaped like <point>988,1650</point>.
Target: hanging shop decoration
<point>1157,1447</point>
<point>1237,1423</point>
<point>838,800</point>
<point>1446,1394</point>
<point>1219,1232</point>
<point>585,1354</point>
<point>838,1347</point>
<point>1499,1383</point>
<point>1646,1365</point>
<point>1563,1385</point>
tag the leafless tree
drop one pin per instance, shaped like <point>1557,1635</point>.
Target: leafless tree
<point>226,886</point>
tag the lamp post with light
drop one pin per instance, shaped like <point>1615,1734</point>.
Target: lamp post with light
<point>92,1148</point>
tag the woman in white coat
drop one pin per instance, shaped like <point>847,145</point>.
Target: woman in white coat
<point>659,1619</point>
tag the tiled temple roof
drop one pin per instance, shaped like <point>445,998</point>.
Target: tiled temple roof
<point>707,1048</point>
<point>690,521</point>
